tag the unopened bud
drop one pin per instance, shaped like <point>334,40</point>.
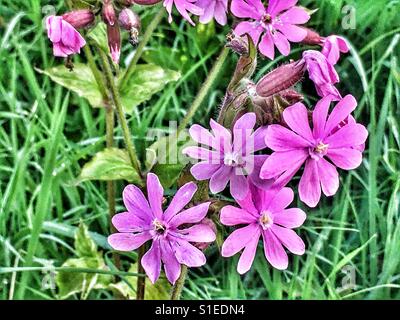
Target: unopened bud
<point>129,20</point>
<point>237,43</point>
<point>208,222</point>
<point>79,18</point>
<point>108,13</point>
<point>312,38</point>
<point>114,41</point>
<point>282,78</point>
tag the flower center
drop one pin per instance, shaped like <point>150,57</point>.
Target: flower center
<point>159,227</point>
<point>319,150</point>
<point>266,220</point>
<point>233,160</point>
<point>266,18</point>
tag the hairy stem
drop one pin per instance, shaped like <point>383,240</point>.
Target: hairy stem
<point>177,288</point>
<point>146,37</point>
<point>120,112</point>
<point>204,89</point>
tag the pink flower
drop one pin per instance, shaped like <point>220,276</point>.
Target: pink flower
<point>276,25</point>
<point>171,242</point>
<point>230,160</point>
<point>332,47</point>
<point>216,9</point>
<point>264,213</point>
<point>66,40</point>
<point>322,73</point>
<point>183,6</point>
<point>330,138</point>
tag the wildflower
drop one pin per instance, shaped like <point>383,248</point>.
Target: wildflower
<point>276,24</point>
<point>231,159</point>
<point>216,9</point>
<point>108,13</point>
<point>183,6</point>
<point>330,138</point>
<point>171,242</point>
<point>114,41</point>
<point>332,47</point>
<point>265,213</point>
<point>322,73</point>
<point>66,40</point>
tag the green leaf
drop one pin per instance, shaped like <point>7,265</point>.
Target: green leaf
<point>165,158</point>
<point>84,244</point>
<point>147,80</point>
<point>110,164</point>
<point>158,291</point>
<point>80,80</point>
<point>99,36</point>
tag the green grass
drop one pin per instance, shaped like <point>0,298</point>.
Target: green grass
<point>47,134</point>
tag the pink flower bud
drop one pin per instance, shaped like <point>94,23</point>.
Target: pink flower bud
<point>129,20</point>
<point>281,78</point>
<point>208,222</point>
<point>79,18</point>
<point>114,41</point>
<point>108,13</point>
<point>312,38</point>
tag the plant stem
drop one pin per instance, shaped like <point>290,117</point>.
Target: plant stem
<point>177,288</point>
<point>120,112</point>
<point>141,282</point>
<point>146,37</point>
<point>204,89</point>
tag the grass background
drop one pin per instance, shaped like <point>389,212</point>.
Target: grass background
<point>47,134</point>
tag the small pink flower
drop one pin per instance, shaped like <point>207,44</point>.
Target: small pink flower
<point>216,9</point>
<point>171,238</point>
<point>332,47</point>
<point>336,137</point>
<point>276,25</point>
<point>322,73</point>
<point>229,159</point>
<point>265,214</point>
<point>183,6</point>
<point>66,40</point>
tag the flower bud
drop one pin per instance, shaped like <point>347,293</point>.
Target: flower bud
<point>312,38</point>
<point>108,13</point>
<point>237,43</point>
<point>281,78</point>
<point>79,18</point>
<point>114,41</point>
<point>129,20</point>
<point>208,222</point>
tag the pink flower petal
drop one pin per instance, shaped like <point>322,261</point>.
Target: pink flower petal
<point>221,8</point>
<point>291,32</point>
<point>279,138</point>
<point>187,254</point>
<point>319,116</point>
<point>295,15</point>
<point>345,158</point>
<point>128,222</point>
<point>350,135</point>
<point>296,118</point>
<point>266,46</point>
<point>247,8</point>
<point>54,28</point>
<point>309,186</point>
<point>247,203</point>
<point>232,216</point>
<point>220,179</point>
<point>155,194</point>
<point>290,218</point>
<point>197,233</point>
<point>209,7</point>
<point>274,251</point>
<point>340,112</point>
<point>136,203</point>
<point>171,265</point>
<point>151,261</point>
<point>289,239</point>
<point>238,239</point>
<point>248,254</point>
<point>239,186</point>
<point>279,162</point>
<point>280,200</point>
<point>223,137</point>
<point>201,135</point>
<point>204,170</point>
<point>277,6</point>
<point>281,43</point>
<point>203,154</point>
<point>180,200</point>
<point>328,176</point>
<point>191,215</point>
<point>259,138</point>
<point>254,176</point>
<point>128,241</point>
<point>250,28</point>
